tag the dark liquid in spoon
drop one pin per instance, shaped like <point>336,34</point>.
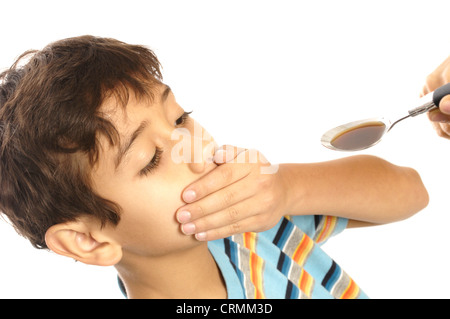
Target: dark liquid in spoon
<point>359,137</point>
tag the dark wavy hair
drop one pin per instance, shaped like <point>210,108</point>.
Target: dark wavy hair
<point>50,124</point>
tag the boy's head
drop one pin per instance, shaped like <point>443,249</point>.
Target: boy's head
<point>82,124</point>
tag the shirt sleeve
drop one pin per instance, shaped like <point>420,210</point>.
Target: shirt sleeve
<point>319,227</point>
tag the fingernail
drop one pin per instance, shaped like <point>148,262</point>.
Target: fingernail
<point>200,236</point>
<point>189,196</point>
<point>184,216</point>
<point>218,157</point>
<point>188,229</point>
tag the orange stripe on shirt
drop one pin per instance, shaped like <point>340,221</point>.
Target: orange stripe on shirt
<point>351,291</point>
<point>305,283</point>
<point>327,229</point>
<point>250,241</point>
<point>302,250</point>
<point>256,265</point>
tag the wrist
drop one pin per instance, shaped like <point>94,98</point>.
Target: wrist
<point>293,188</point>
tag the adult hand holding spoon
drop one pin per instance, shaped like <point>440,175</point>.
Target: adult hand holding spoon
<point>359,135</point>
<point>440,118</point>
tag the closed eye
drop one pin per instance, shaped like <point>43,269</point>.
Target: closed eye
<point>153,164</point>
<point>182,119</point>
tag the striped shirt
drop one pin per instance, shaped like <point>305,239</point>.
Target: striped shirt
<point>285,261</point>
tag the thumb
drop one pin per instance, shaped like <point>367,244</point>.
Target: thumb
<point>444,105</point>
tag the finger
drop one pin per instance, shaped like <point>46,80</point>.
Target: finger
<point>216,201</point>
<point>232,215</point>
<point>438,116</point>
<point>444,105</point>
<point>440,131</point>
<point>445,130</point>
<point>215,180</point>
<point>433,81</point>
<point>227,153</point>
<point>228,230</point>
<point>424,91</point>
<point>254,222</point>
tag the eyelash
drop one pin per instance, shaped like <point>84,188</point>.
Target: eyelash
<point>182,119</point>
<point>158,152</point>
<point>153,163</point>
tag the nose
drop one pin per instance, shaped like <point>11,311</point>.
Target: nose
<point>202,155</point>
<point>196,149</point>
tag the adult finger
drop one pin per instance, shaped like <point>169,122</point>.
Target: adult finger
<point>444,105</point>
<point>445,128</point>
<point>442,129</point>
<point>438,116</point>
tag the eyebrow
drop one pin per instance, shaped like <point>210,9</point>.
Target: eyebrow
<point>165,93</point>
<point>127,146</point>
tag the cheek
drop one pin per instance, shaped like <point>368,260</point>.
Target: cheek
<point>148,223</point>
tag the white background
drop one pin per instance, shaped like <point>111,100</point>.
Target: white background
<point>271,75</point>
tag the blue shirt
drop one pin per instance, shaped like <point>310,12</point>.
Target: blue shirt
<point>285,261</point>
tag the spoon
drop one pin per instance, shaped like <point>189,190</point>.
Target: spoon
<point>362,134</point>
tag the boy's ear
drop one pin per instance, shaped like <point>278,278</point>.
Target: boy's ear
<point>84,242</point>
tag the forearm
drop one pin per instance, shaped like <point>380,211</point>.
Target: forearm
<point>362,188</point>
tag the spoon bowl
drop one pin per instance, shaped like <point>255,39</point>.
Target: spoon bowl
<point>357,135</point>
<point>362,134</point>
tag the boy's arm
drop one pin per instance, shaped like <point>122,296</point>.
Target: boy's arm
<point>364,189</point>
<point>242,195</point>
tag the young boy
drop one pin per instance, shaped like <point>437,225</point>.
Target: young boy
<point>99,163</point>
